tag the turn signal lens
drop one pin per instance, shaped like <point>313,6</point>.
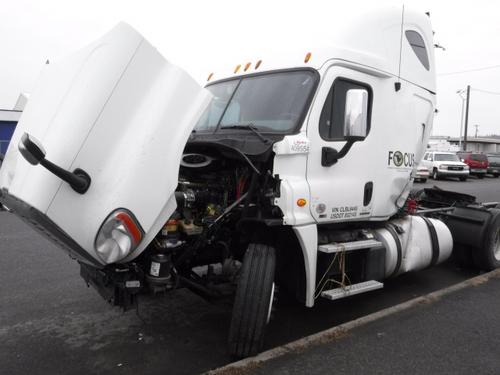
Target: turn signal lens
<point>120,234</point>
<point>301,202</point>
<point>308,57</point>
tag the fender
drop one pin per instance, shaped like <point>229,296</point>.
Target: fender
<point>308,240</point>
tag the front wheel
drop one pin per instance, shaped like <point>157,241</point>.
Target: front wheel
<point>253,301</point>
<point>435,174</point>
<point>480,176</point>
<point>463,178</point>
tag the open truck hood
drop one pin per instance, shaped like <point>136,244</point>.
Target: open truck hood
<point>120,112</point>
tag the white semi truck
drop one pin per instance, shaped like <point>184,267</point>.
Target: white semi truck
<point>290,171</point>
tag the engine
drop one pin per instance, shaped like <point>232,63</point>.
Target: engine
<point>199,232</point>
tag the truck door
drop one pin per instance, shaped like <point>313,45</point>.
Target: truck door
<point>342,191</point>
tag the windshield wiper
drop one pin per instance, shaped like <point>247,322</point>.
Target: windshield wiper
<point>251,127</point>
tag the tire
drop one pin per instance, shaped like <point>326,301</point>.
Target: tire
<point>480,176</point>
<point>463,178</point>
<point>496,175</point>
<point>253,301</point>
<point>435,174</point>
<point>487,258</point>
<point>423,180</point>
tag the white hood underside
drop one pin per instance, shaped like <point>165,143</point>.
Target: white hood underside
<point>122,113</point>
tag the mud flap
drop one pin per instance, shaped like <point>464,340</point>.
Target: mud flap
<point>470,228</point>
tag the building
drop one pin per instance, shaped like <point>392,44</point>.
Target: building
<point>8,121</point>
<point>441,144</point>
<point>479,144</point>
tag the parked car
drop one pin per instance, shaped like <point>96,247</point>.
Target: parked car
<point>477,162</point>
<point>493,164</point>
<point>421,174</point>
<point>445,164</point>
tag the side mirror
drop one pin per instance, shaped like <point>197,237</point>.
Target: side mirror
<point>356,115</point>
<point>31,149</point>
<point>33,152</point>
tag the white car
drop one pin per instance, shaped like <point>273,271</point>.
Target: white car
<point>421,174</point>
<point>445,164</point>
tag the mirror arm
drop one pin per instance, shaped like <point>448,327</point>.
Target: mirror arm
<point>33,152</point>
<point>330,156</point>
<point>79,180</point>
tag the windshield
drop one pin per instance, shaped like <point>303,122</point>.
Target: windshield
<point>446,157</point>
<point>273,102</point>
<point>479,157</point>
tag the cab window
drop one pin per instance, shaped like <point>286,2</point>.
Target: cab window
<point>418,46</point>
<point>331,122</point>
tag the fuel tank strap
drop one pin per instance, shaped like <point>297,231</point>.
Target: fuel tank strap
<point>434,241</point>
<point>390,228</point>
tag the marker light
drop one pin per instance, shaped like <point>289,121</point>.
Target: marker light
<point>237,68</point>
<point>210,76</point>
<point>247,65</point>
<point>120,234</point>
<point>258,64</point>
<point>301,202</point>
<point>308,57</point>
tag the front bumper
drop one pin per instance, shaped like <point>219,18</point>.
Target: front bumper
<point>41,223</point>
<point>478,171</point>
<point>494,170</point>
<point>450,173</point>
<point>422,174</point>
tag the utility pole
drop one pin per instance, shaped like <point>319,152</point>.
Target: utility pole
<point>466,117</point>
<point>477,126</point>
<point>460,92</point>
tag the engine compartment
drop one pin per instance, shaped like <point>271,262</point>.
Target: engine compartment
<point>220,199</point>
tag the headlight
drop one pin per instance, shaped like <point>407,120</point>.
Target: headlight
<point>466,168</point>
<point>443,167</point>
<point>120,234</point>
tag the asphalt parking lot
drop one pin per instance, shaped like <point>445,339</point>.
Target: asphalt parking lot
<point>51,323</point>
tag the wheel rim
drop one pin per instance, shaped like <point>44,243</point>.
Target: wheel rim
<point>496,245</point>
<point>270,304</point>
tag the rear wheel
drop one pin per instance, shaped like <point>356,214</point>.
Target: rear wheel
<point>488,257</point>
<point>253,301</point>
<point>423,180</point>
<point>463,178</point>
<point>480,176</point>
<point>496,175</point>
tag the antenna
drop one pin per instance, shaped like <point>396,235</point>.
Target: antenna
<point>397,85</point>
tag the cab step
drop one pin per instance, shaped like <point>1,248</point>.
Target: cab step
<point>331,248</point>
<point>351,290</point>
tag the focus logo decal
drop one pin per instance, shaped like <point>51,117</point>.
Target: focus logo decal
<point>399,159</point>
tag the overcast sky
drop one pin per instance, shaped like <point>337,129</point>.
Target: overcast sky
<point>200,35</point>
